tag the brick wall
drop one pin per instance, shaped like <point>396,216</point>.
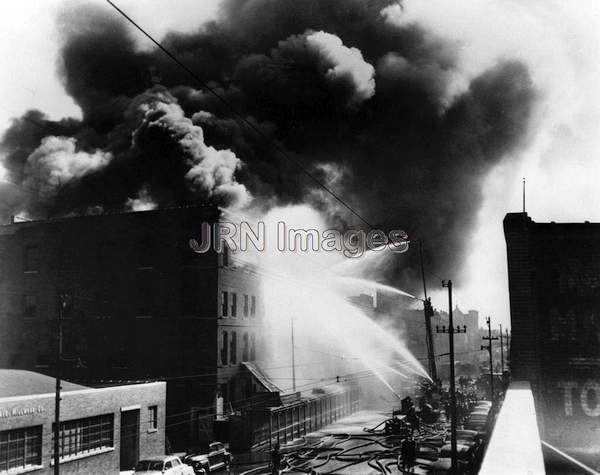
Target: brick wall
<point>88,403</point>
<point>554,283</point>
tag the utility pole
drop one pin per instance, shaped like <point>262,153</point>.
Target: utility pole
<point>61,305</point>
<point>451,331</point>
<point>428,311</point>
<point>489,338</point>
<point>501,350</point>
<point>293,357</point>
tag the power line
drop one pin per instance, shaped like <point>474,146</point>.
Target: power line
<point>233,110</point>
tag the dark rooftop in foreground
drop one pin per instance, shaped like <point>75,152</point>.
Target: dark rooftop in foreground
<point>16,382</point>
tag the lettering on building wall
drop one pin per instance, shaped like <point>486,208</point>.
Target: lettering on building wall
<point>586,395</point>
<point>15,412</point>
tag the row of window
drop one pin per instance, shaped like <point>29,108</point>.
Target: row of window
<point>21,448</point>
<point>146,306</point>
<point>229,351</point>
<point>229,305</point>
<point>145,255</point>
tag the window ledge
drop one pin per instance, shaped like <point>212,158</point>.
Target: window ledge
<point>91,453</point>
<point>30,272</point>
<point>151,431</point>
<point>25,469</point>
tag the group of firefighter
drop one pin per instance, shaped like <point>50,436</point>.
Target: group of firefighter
<point>431,403</point>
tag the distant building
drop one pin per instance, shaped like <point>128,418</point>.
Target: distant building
<point>410,325</point>
<point>140,305</point>
<point>467,345</point>
<point>102,430</point>
<point>554,284</point>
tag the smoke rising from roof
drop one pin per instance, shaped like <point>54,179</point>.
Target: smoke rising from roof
<point>375,106</point>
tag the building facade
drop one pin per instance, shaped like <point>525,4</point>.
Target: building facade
<point>137,303</point>
<point>102,430</point>
<point>554,284</point>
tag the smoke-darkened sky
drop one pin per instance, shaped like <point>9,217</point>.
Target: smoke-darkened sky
<point>417,115</point>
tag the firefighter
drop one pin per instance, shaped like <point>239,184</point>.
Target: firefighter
<point>408,454</point>
<point>275,460</point>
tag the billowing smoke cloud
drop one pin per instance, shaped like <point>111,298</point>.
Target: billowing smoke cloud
<point>344,63</point>
<point>57,162</point>
<point>375,106</point>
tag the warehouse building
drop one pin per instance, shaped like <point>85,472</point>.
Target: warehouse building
<point>554,284</point>
<point>102,430</point>
<point>138,304</point>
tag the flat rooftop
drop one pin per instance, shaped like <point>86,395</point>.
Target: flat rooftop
<point>17,382</point>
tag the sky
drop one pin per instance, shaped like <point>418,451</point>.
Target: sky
<point>558,41</point>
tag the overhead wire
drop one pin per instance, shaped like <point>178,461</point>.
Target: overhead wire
<point>236,113</point>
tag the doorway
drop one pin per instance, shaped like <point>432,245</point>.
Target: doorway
<point>130,439</point>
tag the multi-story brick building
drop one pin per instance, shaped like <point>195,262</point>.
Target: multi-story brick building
<point>554,284</point>
<point>139,305</point>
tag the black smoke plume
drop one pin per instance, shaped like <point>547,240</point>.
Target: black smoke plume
<point>361,103</point>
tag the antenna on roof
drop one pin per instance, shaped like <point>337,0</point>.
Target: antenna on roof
<point>523,194</point>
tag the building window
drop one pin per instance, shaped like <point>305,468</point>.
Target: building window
<point>253,347</point>
<point>190,291</point>
<point>245,305</point>
<point>120,356</point>
<point>31,259</point>
<point>102,303</point>
<point>106,255</point>
<point>233,304</point>
<point>65,257</point>
<point>145,302</point>
<point>224,304</point>
<point>85,435</point>
<point>253,306</point>
<point>224,347</point>
<point>225,254</point>
<point>245,347</point>
<point>43,360</point>
<point>20,448</point>
<point>233,349</point>
<point>152,418</point>
<point>30,306</point>
<point>144,252</point>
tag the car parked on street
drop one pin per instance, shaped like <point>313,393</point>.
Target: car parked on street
<point>206,461</point>
<point>163,465</point>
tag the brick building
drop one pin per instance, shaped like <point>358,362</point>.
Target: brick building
<point>554,284</point>
<point>140,305</point>
<point>102,430</point>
